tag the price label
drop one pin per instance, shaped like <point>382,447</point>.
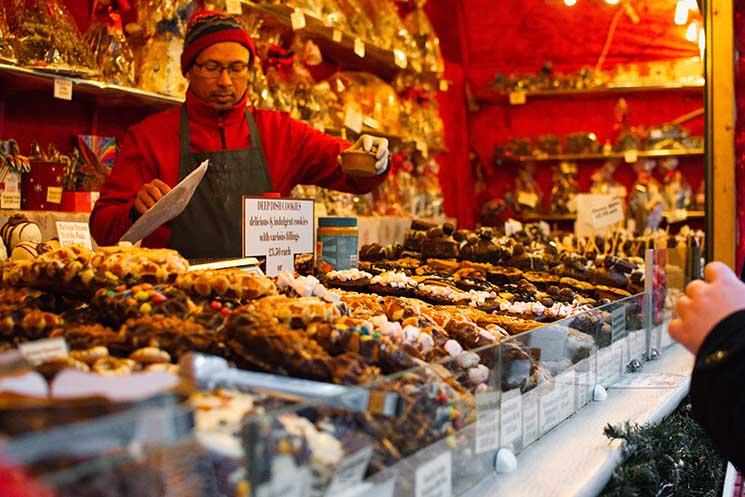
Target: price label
<point>350,471</point>
<point>530,418</point>
<point>63,89</point>
<point>621,355</point>
<point>487,422</point>
<point>54,194</point>
<point>511,422</point>
<point>336,36</point>
<point>631,156</point>
<point>528,199</point>
<point>10,200</point>
<point>39,351</point>
<point>518,97</point>
<point>511,227</point>
<point>607,214</point>
<point>618,323</point>
<point>583,382</point>
<point>11,182</point>
<point>71,233</point>
<point>233,7</point>
<point>608,369</point>
<point>549,413</point>
<point>353,119</point>
<point>399,58</point>
<point>565,383</point>
<point>435,478</point>
<point>297,20</point>
<point>444,85</point>
<point>359,48</point>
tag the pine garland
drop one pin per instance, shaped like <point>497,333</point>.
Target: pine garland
<point>672,459</point>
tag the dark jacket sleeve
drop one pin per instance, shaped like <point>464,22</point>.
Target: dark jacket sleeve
<point>718,387</point>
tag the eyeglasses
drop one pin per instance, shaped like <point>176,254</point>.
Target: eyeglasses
<point>212,69</point>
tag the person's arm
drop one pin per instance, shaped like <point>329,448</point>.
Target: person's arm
<point>317,157</point>
<point>718,388</point>
<point>113,213</point>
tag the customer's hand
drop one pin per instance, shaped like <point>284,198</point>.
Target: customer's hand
<point>149,194</point>
<point>705,304</point>
<point>377,145</point>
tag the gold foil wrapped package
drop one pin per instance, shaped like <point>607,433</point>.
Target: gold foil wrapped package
<point>111,52</point>
<point>46,37</point>
<point>370,96</point>
<point>427,42</point>
<point>359,23</point>
<point>7,54</point>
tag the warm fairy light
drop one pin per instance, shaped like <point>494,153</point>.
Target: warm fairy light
<point>570,3</point>
<point>612,2</point>
<point>681,13</point>
<point>692,32</point>
<point>701,43</point>
<point>692,5</point>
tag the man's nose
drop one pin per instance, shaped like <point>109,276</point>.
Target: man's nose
<point>224,78</point>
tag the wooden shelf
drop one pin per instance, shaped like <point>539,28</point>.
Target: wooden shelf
<point>641,154</point>
<point>499,97</point>
<point>674,217</point>
<point>378,61</point>
<point>549,218</point>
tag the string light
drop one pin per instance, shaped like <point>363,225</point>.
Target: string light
<point>692,5</point>
<point>570,3</point>
<point>692,32</point>
<point>681,13</point>
<point>701,43</point>
<point>612,2</point>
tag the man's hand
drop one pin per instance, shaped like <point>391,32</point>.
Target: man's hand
<point>705,304</point>
<point>377,145</point>
<point>149,194</point>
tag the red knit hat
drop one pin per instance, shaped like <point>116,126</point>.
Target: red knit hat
<point>207,27</point>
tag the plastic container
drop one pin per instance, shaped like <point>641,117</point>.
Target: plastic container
<point>337,240</point>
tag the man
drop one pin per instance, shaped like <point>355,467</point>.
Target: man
<point>712,326</point>
<point>250,151</point>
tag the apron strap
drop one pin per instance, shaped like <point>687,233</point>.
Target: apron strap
<point>255,139</point>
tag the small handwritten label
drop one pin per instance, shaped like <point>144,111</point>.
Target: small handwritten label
<point>297,20</point>
<point>359,48</point>
<point>350,471</point>
<point>10,200</point>
<point>54,194</point>
<point>565,383</point>
<point>530,418</point>
<point>618,323</point>
<point>435,478</point>
<point>631,156</point>
<point>39,351</point>
<point>549,412</point>
<point>71,233</point>
<point>399,58</point>
<point>233,7</point>
<point>11,182</point>
<point>487,422</point>
<point>527,198</point>
<point>63,89</point>
<point>607,214</point>
<point>518,97</point>
<point>336,36</point>
<point>511,422</point>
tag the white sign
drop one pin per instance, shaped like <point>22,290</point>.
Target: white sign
<point>511,227</point>
<point>63,89</point>
<point>278,229</point>
<point>618,323</point>
<point>584,382</point>
<point>350,471</point>
<point>565,383</point>
<point>549,413</point>
<point>359,48</point>
<point>596,212</point>
<point>71,233</point>
<point>608,366</point>
<point>54,194</point>
<point>297,19</point>
<point>167,208</point>
<point>511,423</point>
<point>487,430</point>
<point>10,200</point>
<point>530,418</point>
<point>435,478</point>
<point>11,182</point>
<point>353,119</point>
<point>39,351</point>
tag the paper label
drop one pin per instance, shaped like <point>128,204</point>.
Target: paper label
<point>399,58</point>
<point>631,156</point>
<point>297,19</point>
<point>583,382</point>
<point>278,229</point>
<point>10,200</point>
<point>518,97</point>
<point>511,422</point>
<point>353,119</point>
<point>596,212</point>
<point>511,227</point>
<point>336,36</point>
<point>487,422</point>
<point>527,198</point>
<point>530,418</point>
<point>435,478</point>
<point>39,351</point>
<point>608,214</point>
<point>71,233</point>
<point>350,471</point>
<point>608,366</point>
<point>54,194</point>
<point>444,85</point>
<point>565,383</point>
<point>233,7</point>
<point>549,413</point>
<point>618,323</point>
<point>359,48</point>
<point>63,89</point>
<point>11,182</point>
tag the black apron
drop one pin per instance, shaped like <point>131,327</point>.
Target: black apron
<point>210,225</point>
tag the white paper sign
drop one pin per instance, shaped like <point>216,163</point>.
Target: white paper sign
<point>277,229</point>
<point>621,354</point>
<point>359,48</point>
<point>565,383</point>
<point>167,208</point>
<point>530,418</point>
<point>10,200</point>
<point>297,20</point>
<point>487,422</point>
<point>63,89</point>
<point>511,227</point>
<point>54,194</point>
<point>608,369</point>
<point>584,382</point>
<point>596,212</point>
<point>353,119</point>
<point>618,323</point>
<point>11,182</point>
<point>549,412</point>
<point>71,233</point>
<point>511,423</point>
<point>39,351</point>
<point>435,478</point>
<point>350,471</point>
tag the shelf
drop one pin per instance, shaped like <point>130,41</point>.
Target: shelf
<point>615,155</point>
<point>681,216</point>
<point>549,218</point>
<point>22,79</point>
<point>378,61</point>
<point>499,97</point>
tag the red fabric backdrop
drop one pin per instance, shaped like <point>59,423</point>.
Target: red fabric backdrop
<point>740,129</point>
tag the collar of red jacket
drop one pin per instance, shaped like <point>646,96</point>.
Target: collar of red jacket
<point>203,113</point>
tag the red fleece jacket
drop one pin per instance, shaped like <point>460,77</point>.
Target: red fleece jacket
<point>295,154</point>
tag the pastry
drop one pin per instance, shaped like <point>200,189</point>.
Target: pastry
<point>113,366</point>
<point>114,306</point>
<point>19,229</point>
<point>138,265</point>
<point>348,279</point>
<point>84,337</point>
<point>150,355</point>
<point>439,245</point>
<point>171,334</point>
<point>24,251</point>
<point>393,283</point>
<point>297,312</point>
<point>91,355</point>
<point>49,369</point>
<point>226,283</point>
